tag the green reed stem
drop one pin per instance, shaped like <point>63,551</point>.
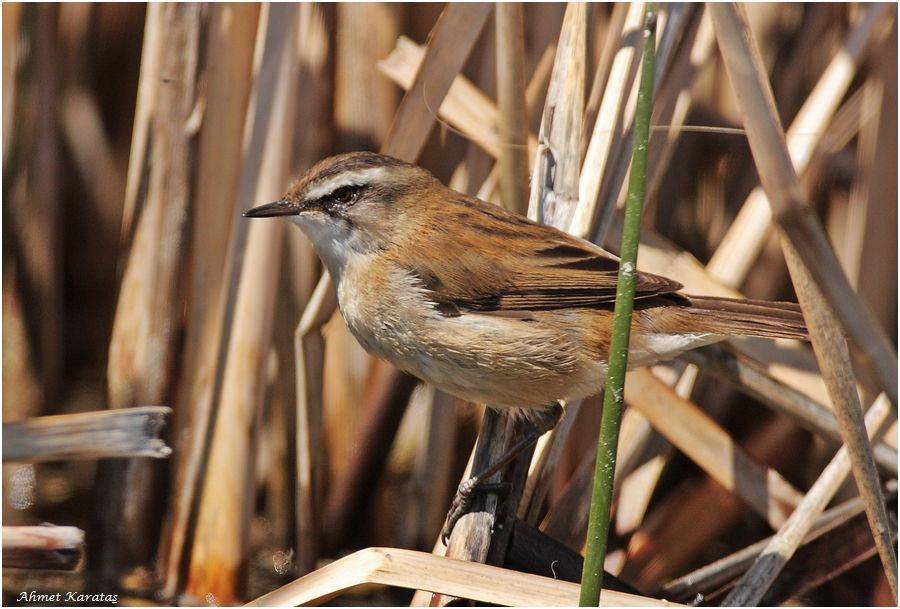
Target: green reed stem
<point>613,397</point>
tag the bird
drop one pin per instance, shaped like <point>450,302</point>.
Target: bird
<point>486,304</point>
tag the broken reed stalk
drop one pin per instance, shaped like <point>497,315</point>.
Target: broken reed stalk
<point>43,547</point>
<point>613,395</point>
<point>102,434</point>
<point>825,294</point>
<point>557,164</point>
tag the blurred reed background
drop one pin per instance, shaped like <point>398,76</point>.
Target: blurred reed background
<point>133,137</point>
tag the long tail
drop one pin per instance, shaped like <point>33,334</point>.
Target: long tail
<point>751,317</point>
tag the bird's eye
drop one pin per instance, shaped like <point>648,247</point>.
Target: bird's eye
<point>345,194</point>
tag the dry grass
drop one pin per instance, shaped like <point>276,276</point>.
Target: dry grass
<point>134,136</point>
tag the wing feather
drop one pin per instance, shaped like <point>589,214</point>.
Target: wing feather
<point>562,272</point>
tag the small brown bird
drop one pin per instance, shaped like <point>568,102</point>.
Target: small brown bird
<point>486,304</point>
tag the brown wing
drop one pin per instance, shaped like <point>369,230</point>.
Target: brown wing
<point>507,265</point>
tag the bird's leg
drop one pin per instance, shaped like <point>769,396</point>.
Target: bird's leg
<point>462,501</point>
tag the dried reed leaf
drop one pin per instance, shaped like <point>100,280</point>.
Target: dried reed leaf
<point>449,44</point>
<point>420,570</point>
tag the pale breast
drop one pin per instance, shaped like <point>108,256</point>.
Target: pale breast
<point>485,358</point>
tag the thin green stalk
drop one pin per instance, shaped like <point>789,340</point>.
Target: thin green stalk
<point>613,398</point>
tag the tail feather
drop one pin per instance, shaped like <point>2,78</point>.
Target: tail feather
<point>759,318</point>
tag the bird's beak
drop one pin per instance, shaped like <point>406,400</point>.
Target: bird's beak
<point>278,208</point>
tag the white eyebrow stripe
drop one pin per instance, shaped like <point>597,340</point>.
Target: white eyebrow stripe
<point>345,178</point>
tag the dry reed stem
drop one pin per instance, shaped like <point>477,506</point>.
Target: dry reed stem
<point>465,106</point>
<point>609,119</point>
<point>42,547</point>
<point>554,192</point>
<point>144,110</point>
<point>309,354</point>
<point>449,44</point>
<point>612,37</point>
<point>34,213</point>
<point>101,434</point>
<point>747,234</point>
<point>364,103</point>
<point>308,342</point>
<point>756,581</point>
<point>473,537</point>
<point>441,575</point>
<point>690,430</point>
<point>147,321</point>
<point>815,270</point>
<point>220,537</point>
<point>231,39</point>
<point>637,484</point>
<point>144,349</point>
<point>513,115</point>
